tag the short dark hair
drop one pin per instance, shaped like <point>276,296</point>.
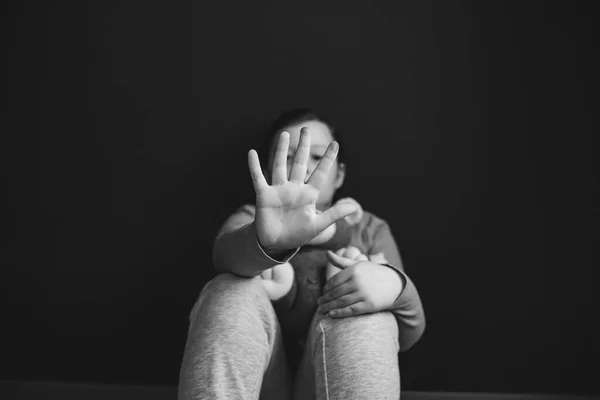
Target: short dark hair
<point>296,116</point>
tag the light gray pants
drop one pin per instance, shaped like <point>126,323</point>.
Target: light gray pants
<point>235,350</point>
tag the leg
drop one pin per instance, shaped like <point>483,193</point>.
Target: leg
<point>234,348</point>
<point>351,358</point>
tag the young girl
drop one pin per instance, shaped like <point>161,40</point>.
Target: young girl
<point>325,278</point>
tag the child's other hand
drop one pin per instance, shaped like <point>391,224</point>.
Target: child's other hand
<point>360,287</point>
<point>286,213</point>
<point>351,253</point>
<point>278,280</point>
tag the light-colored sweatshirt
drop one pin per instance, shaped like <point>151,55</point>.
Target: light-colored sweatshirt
<point>236,250</point>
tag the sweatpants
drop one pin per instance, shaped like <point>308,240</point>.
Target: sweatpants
<point>235,350</point>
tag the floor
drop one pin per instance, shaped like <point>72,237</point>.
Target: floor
<point>34,390</point>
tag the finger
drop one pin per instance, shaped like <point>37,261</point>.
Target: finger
<point>334,214</point>
<point>258,179</point>
<point>337,292</point>
<point>356,216</point>
<point>298,172</point>
<point>349,311</point>
<point>319,175</point>
<point>267,274</point>
<point>340,302</point>
<point>269,285</point>
<point>352,253</point>
<point>279,175</point>
<point>339,261</point>
<point>362,257</point>
<point>337,280</point>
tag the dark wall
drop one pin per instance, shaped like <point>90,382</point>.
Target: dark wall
<point>467,126</point>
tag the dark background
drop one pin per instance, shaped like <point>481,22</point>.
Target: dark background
<point>468,127</point>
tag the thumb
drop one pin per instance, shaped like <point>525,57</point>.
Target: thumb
<point>334,214</point>
<point>340,262</point>
<point>357,215</point>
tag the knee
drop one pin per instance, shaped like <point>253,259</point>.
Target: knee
<point>378,329</point>
<point>230,304</point>
<point>227,280</point>
<point>229,290</point>
<point>367,323</point>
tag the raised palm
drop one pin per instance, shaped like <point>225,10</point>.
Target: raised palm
<point>286,212</point>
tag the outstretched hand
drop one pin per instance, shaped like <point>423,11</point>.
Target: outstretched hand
<point>286,212</point>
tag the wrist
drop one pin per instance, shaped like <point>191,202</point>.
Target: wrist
<point>278,255</point>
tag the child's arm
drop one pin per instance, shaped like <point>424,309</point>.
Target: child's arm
<point>236,248</point>
<point>407,308</point>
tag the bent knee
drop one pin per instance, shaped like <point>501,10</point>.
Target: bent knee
<point>233,285</point>
<point>372,322</point>
<point>228,291</point>
<point>363,328</point>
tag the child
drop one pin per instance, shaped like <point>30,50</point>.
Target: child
<point>298,291</point>
<point>336,291</point>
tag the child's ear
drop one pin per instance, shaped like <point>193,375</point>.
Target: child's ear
<point>341,175</point>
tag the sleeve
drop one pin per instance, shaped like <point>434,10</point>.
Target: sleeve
<point>236,248</point>
<point>407,308</point>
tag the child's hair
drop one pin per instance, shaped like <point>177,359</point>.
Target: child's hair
<point>296,116</point>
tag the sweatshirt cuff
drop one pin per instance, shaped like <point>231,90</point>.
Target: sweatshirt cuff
<point>405,281</point>
<point>288,255</point>
<point>408,311</point>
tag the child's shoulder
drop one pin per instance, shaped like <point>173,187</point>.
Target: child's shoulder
<point>364,234</point>
<point>371,222</point>
<point>249,209</point>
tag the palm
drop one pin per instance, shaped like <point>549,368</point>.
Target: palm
<point>286,212</point>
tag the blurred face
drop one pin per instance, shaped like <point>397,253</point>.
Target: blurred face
<point>320,137</point>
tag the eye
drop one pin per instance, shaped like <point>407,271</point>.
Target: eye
<point>316,157</point>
